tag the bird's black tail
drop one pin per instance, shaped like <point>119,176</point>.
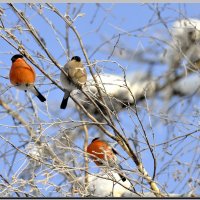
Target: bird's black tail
<point>121,174</point>
<point>39,95</point>
<point>122,177</point>
<point>63,105</point>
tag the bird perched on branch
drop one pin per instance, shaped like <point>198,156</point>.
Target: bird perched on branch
<point>22,76</point>
<point>103,154</point>
<point>77,77</point>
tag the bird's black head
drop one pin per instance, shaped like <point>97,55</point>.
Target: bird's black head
<point>15,57</point>
<point>95,139</point>
<point>76,58</point>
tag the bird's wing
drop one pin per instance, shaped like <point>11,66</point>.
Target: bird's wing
<point>77,74</point>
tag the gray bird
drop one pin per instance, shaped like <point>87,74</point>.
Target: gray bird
<point>77,77</point>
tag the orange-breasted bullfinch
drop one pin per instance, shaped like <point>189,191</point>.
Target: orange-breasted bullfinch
<point>22,76</point>
<point>77,77</point>
<point>103,154</point>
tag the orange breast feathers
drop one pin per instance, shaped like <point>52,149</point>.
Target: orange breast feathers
<point>21,73</point>
<point>100,150</point>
